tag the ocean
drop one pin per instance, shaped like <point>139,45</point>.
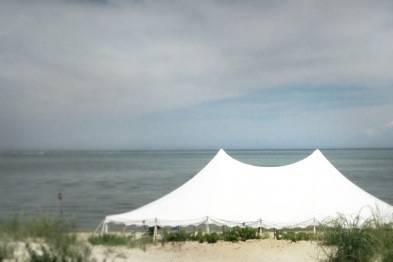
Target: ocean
<point>95,184</point>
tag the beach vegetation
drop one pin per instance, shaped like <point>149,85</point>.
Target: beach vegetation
<point>121,240</point>
<point>236,234</point>
<point>6,251</point>
<point>212,238</point>
<point>179,235</point>
<point>109,240</point>
<point>295,236</point>
<point>231,236</point>
<point>371,241</point>
<point>198,237</point>
<point>53,238</point>
<point>246,233</point>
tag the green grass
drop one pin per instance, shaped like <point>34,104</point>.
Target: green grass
<point>212,238</point>
<point>372,241</point>
<point>55,234</point>
<point>121,240</point>
<point>6,251</point>
<point>236,234</point>
<point>176,236</point>
<point>231,234</point>
<point>109,240</point>
<point>299,235</point>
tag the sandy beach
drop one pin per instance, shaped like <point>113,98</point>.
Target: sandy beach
<point>249,251</point>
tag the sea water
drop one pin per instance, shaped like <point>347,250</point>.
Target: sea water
<point>95,184</point>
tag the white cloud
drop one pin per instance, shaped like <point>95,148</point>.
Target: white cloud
<point>389,124</point>
<point>81,61</point>
<point>179,54</point>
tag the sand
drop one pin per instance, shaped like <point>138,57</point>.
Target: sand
<point>255,250</point>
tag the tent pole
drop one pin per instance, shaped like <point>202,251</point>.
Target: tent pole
<point>315,230</point>
<point>260,228</point>
<point>155,231</point>
<point>98,227</point>
<point>207,226</point>
<point>104,229</point>
<point>155,234</point>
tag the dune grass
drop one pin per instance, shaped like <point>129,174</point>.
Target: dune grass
<point>371,241</point>
<point>54,235</point>
<point>6,251</point>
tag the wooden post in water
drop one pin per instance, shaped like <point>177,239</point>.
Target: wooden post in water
<point>60,198</point>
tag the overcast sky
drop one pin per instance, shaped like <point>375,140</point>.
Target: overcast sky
<point>118,74</point>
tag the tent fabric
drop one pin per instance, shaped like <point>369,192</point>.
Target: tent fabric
<point>231,193</point>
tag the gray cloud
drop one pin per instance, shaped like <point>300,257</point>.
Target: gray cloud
<point>77,64</point>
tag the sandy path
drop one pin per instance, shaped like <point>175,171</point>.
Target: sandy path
<point>258,250</point>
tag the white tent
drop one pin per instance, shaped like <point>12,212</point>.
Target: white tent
<point>229,192</point>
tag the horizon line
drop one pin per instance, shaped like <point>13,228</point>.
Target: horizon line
<point>187,149</point>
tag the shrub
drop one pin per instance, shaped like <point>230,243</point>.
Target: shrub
<point>298,236</point>
<point>177,236</point>
<point>212,238</point>
<point>236,233</point>
<point>109,240</point>
<point>289,236</point>
<point>121,240</point>
<point>198,237</point>
<point>231,235</point>
<point>247,233</point>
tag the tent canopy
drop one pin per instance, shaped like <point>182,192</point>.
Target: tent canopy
<point>229,192</point>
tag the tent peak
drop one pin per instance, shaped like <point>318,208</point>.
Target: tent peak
<point>317,151</point>
<point>221,152</point>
